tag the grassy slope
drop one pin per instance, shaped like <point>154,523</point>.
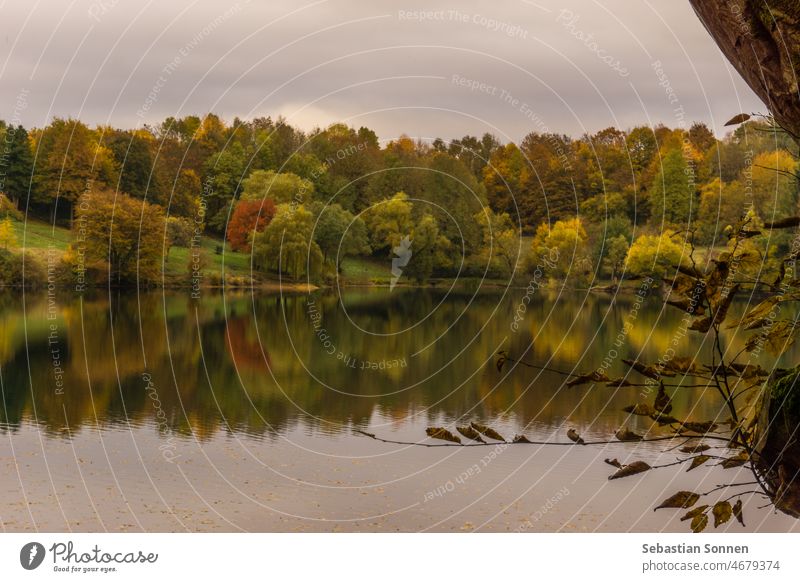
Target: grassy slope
<point>36,237</point>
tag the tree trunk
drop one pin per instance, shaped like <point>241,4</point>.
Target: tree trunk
<point>762,41</point>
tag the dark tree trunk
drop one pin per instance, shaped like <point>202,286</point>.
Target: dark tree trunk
<point>761,38</point>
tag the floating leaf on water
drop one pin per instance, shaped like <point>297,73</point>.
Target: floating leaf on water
<point>680,499</point>
<point>487,431</point>
<point>442,433</point>
<point>596,376</point>
<point>573,435</point>
<point>624,434</point>
<point>722,512</point>
<point>697,461</point>
<point>737,511</point>
<point>632,469</point>
<point>470,433</point>
<point>736,461</point>
<point>737,119</point>
<point>521,438</point>
<point>695,448</point>
<point>614,463</point>
<point>692,513</point>
<point>699,523</point>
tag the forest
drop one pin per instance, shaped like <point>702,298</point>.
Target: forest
<point>610,205</point>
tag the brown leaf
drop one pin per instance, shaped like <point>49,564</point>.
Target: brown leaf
<point>702,324</point>
<point>699,523</point>
<point>681,364</point>
<point>521,438</point>
<point>632,469</point>
<point>640,409</point>
<point>737,511</point>
<point>722,512</point>
<point>663,402</point>
<point>501,362</point>
<point>692,513</point>
<point>700,427</point>
<point>487,431</point>
<point>695,448</point>
<point>470,433</point>
<point>664,419</point>
<point>573,435</point>
<point>618,382</point>
<point>680,499</point>
<point>737,119</point>
<point>644,370</point>
<point>697,461</point>
<point>442,433</point>
<point>595,376</point>
<point>626,435</point>
<point>614,463</point>
<point>736,461</point>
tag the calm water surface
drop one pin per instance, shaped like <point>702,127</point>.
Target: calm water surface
<point>237,412</point>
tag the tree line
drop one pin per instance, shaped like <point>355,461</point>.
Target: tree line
<point>610,202</point>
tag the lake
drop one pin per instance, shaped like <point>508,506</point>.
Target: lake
<point>239,412</point>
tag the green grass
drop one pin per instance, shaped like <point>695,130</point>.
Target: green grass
<point>36,237</point>
<point>366,270</point>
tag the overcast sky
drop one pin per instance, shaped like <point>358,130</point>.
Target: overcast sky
<point>429,68</point>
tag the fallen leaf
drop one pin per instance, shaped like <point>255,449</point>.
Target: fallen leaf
<point>614,463</point>
<point>680,499</point>
<point>700,427</point>
<point>695,448</point>
<point>521,438</point>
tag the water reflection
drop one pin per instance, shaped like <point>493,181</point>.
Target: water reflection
<point>267,363</point>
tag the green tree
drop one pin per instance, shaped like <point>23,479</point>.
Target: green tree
<point>388,222</point>
<point>339,234</point>
<point>124,232</point>
<point>17,165</point>
<point>282,188</point>
<point>501,241</point>
<point>223,182</point>
<point>566,240</point>
<point>429,250</point>
<point>672,194</point>
<point>286,245</point>
<point>655,254</point>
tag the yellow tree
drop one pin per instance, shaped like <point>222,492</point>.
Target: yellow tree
<point>8,237</point>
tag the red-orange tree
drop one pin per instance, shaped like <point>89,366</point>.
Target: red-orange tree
<point>249,216</point>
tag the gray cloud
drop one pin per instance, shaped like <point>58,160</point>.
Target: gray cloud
<point>415,67</point>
